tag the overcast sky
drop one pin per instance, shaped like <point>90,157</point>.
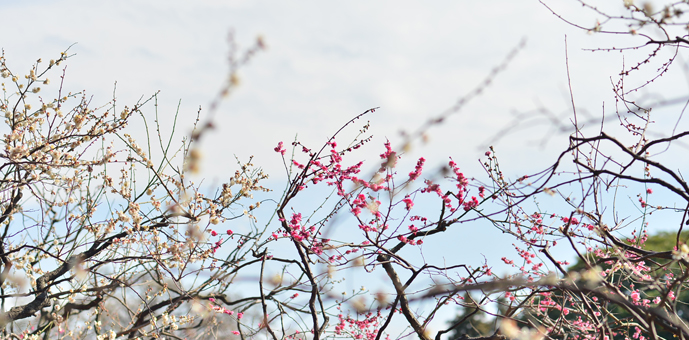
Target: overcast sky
<point>328,61</point>
<point>325,63</point>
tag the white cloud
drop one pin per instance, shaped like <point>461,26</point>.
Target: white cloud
<point>326,62</point>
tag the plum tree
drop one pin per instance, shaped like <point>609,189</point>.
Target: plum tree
<point>104,238</point>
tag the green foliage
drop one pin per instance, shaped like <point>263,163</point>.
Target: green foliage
<point>473,321</point>
<point>665,240</point>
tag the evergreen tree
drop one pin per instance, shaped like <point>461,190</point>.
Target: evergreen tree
<point>472,320</point>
